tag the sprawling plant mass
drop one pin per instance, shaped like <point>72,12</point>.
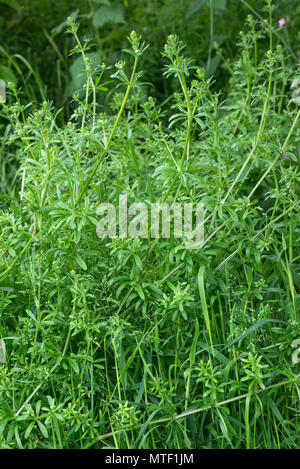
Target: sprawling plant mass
<point>136,342</point>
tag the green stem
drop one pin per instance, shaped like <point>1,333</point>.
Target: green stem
<point>94,170</point>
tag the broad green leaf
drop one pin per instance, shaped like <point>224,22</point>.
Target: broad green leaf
<point>108,14</point>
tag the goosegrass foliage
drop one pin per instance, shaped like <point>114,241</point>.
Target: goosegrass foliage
<point>140,343</point>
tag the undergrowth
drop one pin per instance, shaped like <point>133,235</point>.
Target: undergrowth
<point>141,343</point>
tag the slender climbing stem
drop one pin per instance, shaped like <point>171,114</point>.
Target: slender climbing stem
<point>107,145</point>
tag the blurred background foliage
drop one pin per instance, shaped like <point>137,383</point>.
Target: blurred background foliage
<point>34,51</point>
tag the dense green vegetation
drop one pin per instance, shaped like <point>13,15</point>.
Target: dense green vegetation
<point>141,342</point>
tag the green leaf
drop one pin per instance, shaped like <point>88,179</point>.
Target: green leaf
<point>17,436</point>
<point>78,72</point>
<point>140,291</point>
<point>214,63</point>
<point>2,351</point>
<point>43,429</point>
<point>203,302</point>
<point>13,4</point>
<point>194,345</point>
<point>80,262</point>
<point>220,4</point>
<point>108,14</point>
<point>7,74</point>
<point>29,430</point>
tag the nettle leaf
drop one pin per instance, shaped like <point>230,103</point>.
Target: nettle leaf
<point>108,14</point>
